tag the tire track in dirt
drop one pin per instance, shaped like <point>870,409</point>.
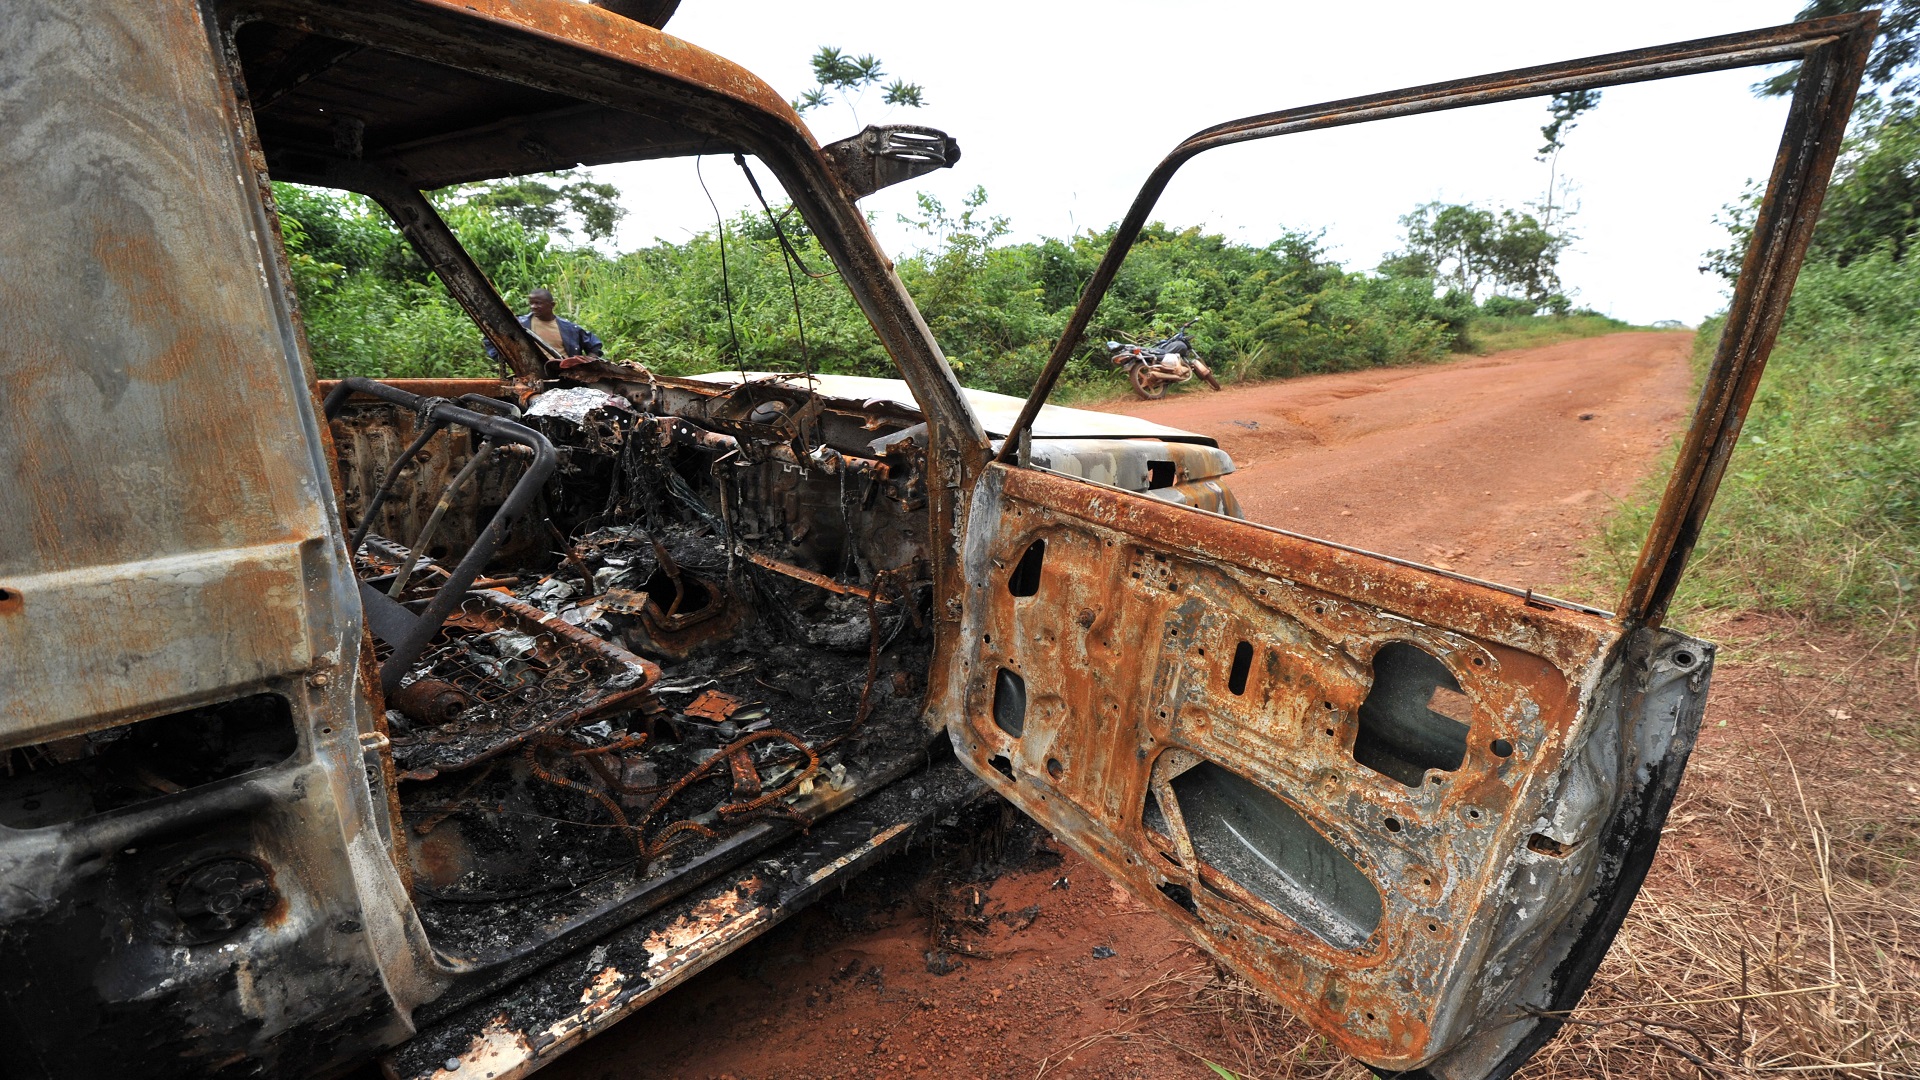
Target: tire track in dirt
<point>1496,466</point>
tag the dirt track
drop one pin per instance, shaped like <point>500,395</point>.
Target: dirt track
<point>1496,466</point>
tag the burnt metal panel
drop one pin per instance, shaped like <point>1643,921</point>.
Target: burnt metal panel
<point>163,554</point>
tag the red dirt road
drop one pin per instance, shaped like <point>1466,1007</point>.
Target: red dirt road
<point>1484,465</point>
<point>1495,466</point>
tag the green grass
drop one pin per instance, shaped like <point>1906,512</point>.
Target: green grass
<point>1819,513</point>
<point>1491,334</point>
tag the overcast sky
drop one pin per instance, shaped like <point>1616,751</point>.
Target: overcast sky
<point>1061,109</point>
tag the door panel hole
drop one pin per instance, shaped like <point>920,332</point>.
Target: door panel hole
<point>1160,474</point>
<point>1547,845</point>
<point>1025,579</point>
<point>1401,735</point>
<point>1179,894</point>
<point>1001,765</point>
<point>1266,847</point>
<point>1242,666</point>
<point>1010,703</point>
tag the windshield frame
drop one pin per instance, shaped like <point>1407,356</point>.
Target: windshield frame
<point>597,57</point>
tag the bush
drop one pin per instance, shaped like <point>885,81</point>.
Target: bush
<point>1819,512</point>
<point>372,308</point>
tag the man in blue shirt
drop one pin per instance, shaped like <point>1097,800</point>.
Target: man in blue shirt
<point>566,339</point>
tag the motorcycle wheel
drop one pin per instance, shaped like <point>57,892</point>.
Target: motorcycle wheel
<point>1145,385</point>
<point>1211,381</point>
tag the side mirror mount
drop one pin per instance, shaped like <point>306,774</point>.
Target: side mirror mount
<point>884,155</point>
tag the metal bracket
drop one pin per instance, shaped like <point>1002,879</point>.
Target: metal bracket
<point>886,154</point>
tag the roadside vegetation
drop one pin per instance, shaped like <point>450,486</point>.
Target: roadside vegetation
<point>1819,514</point>
<point>1498,333</point>
<point>371,307</point>
<point>1469,278</point>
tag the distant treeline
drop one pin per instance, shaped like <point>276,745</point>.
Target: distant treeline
<point>371,307</point>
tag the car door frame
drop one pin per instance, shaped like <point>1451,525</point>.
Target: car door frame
<point>1081,746</point>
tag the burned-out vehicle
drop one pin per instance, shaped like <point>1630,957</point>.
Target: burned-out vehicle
<point>448,723</point>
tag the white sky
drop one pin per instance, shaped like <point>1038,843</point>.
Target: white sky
<point>1062,108</point>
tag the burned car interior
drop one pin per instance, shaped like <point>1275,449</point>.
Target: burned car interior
<point>689,630</point>
<point>627,627</point>
<point>450,721</point>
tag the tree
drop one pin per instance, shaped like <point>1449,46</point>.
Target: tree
<point>544,208</point>
<point>1473,248</point>
<point>849,77</point>
<point>1896,49</point>
<point>1565,110</point>
<point>1874,200</point>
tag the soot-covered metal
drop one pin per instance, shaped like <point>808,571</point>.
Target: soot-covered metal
<point>700,632</point>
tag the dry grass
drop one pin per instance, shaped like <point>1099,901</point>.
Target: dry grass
<point>1778,933</point>
<point>1197,1008</point>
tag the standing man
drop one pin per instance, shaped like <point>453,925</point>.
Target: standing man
<point>566,339</point>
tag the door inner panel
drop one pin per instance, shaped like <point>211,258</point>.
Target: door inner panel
<point>1323,765</point>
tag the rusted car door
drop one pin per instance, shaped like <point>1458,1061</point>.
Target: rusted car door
<point>1413,806</point>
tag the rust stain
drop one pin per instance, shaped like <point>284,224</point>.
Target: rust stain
<point>498,1048</point>
<point>715,705</point>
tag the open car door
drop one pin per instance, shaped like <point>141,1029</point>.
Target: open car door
<point>1413,806</point>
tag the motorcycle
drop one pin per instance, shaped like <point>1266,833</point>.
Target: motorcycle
<point>1153,368</point>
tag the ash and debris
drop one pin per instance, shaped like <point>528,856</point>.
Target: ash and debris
<point>545,779</point>
<point>959,824</point>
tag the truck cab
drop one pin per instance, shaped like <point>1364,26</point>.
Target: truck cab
<point>446,722</point>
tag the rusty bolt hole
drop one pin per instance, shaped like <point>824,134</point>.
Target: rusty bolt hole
<point>1474,814</point>
<point>1683,659</point>
<point>1392,824</point>
<point>1055,769</point>
<point>1479,661</point>
<point>1501,748</point>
